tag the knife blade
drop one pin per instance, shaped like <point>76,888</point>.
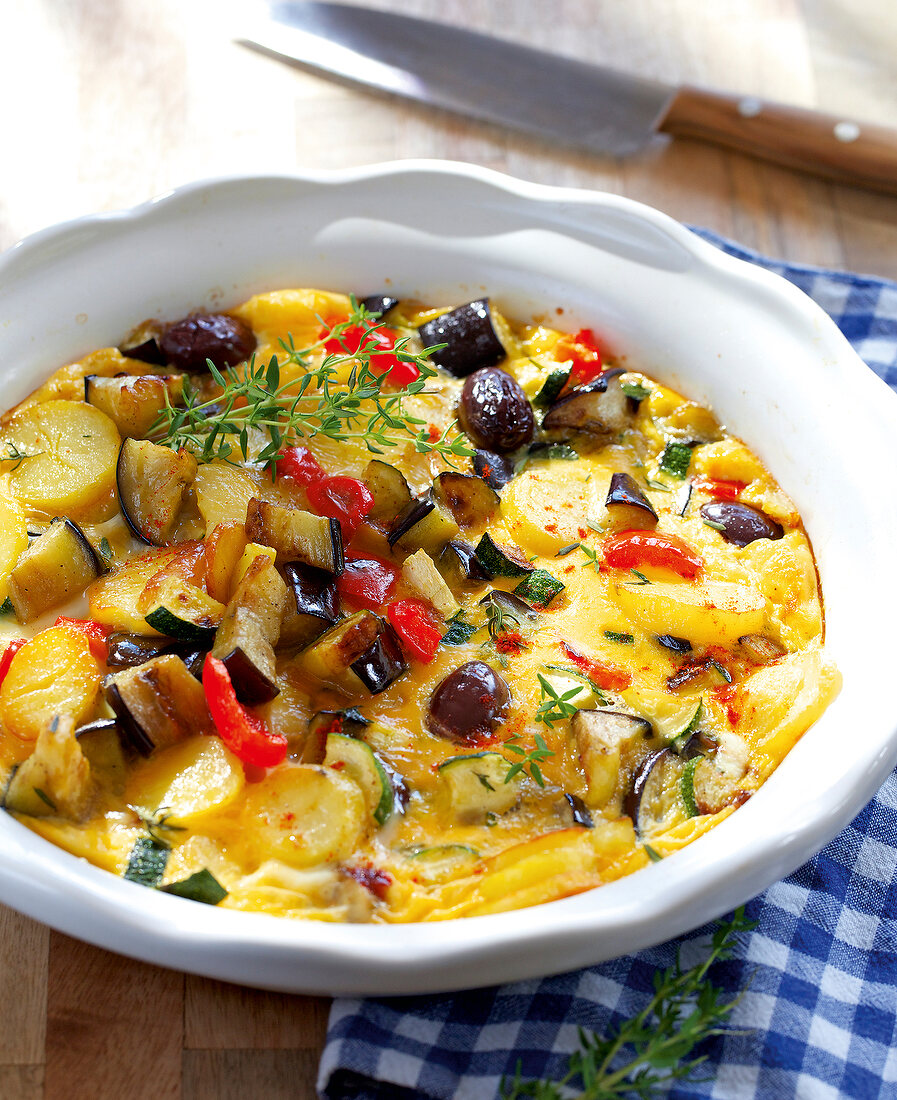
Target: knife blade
<point>591,107</point>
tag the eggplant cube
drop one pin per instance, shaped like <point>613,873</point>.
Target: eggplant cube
<point>603,737</point>
<point>249,630</point>
<point>152,481</point>
<point>158,703</point>
<point>296,535</point>
<point>57,566</point>
<point>470,338</point>
<point>601,408</point>
<point>314,605</point>
<point>627,506</point>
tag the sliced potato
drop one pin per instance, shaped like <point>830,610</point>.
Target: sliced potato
<point>714,613</point>
<point>545,506</point>
<point>13,539</point>
<point>304,814</point>
<point>189,780</point>
<point>54,674</point>
<point>74,449</point>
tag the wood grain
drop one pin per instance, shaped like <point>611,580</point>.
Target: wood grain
<point>111,103</point>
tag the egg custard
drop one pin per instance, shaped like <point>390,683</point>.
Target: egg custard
<point>380,612</point>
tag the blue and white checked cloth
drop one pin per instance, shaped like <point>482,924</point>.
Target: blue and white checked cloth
<point>818,1018</point>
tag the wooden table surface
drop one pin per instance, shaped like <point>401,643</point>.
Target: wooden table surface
<point>108,102</point>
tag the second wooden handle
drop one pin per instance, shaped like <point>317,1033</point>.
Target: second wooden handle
<point>824,145</point>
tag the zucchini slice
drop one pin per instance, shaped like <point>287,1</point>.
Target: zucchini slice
<point>473,786</point>
<point>359,762</point>
<point>443,862</point>
<point>390,491</point>
<point>601,408</point>
<point>58,565</point>
<point>471,501</point>
<point>158,703</point>
<point>183,611</point>
<point>539,588</point>
<point>501,561</point>
<point>151,482</point>
<point>248,632</point>
<point>424,579</point>
<point>134,403</point>
<point>313,606</point>
<point>296,535</point>
<point>422,525</point>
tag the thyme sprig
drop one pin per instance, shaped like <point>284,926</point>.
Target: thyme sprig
<point>17,457</point>
<point>686,1009</point>
<point>530,760</point>
<point>254,400</point>
<point>554,707</point>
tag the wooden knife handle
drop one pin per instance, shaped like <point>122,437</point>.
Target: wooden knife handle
<point>824,145</point>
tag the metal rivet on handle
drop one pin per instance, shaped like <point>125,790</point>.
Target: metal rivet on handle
<point>847,131</point>
<point>749,107</point>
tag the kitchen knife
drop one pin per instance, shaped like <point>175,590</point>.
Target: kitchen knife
<point>558,98</point>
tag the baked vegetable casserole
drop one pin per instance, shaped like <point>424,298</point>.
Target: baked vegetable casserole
<point>372,611</point>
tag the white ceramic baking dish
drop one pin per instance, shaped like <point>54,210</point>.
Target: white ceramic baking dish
<point>768,360</point>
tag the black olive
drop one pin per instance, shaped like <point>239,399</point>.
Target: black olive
<point>494,411</point>
<point>495,469</point>
<point>225,340</point>
<point>468,704</point>
<point>740,523</point>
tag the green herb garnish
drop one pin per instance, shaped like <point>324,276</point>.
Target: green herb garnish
<point>252,399</point>
<point>530,760</point>
<point>6,608</point>
<point>17,457</point>
<point>593,559</point>
<point>676,459</point>
<point>565,550</point>
<point>201,886</point>
<point>686,1009</point>
<point>652,853</point>
<point>640,578</point>
<point>553,707</point>
<point>623,639</point>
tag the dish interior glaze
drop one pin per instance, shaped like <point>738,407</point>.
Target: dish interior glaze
<point>517,622</point>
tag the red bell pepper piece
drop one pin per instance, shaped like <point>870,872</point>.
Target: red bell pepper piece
<point>367,582</point>
<point>96,634</point>
<point>380,343</point>
<point>719,490</point>
<point>245,735</point>
<point>7,655</point>
<point>633,549</point>
<point>585,353</point>
<point>417,628</point>
<point>606,676</point>
<point>300,466</point>
<point>344,498</point>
